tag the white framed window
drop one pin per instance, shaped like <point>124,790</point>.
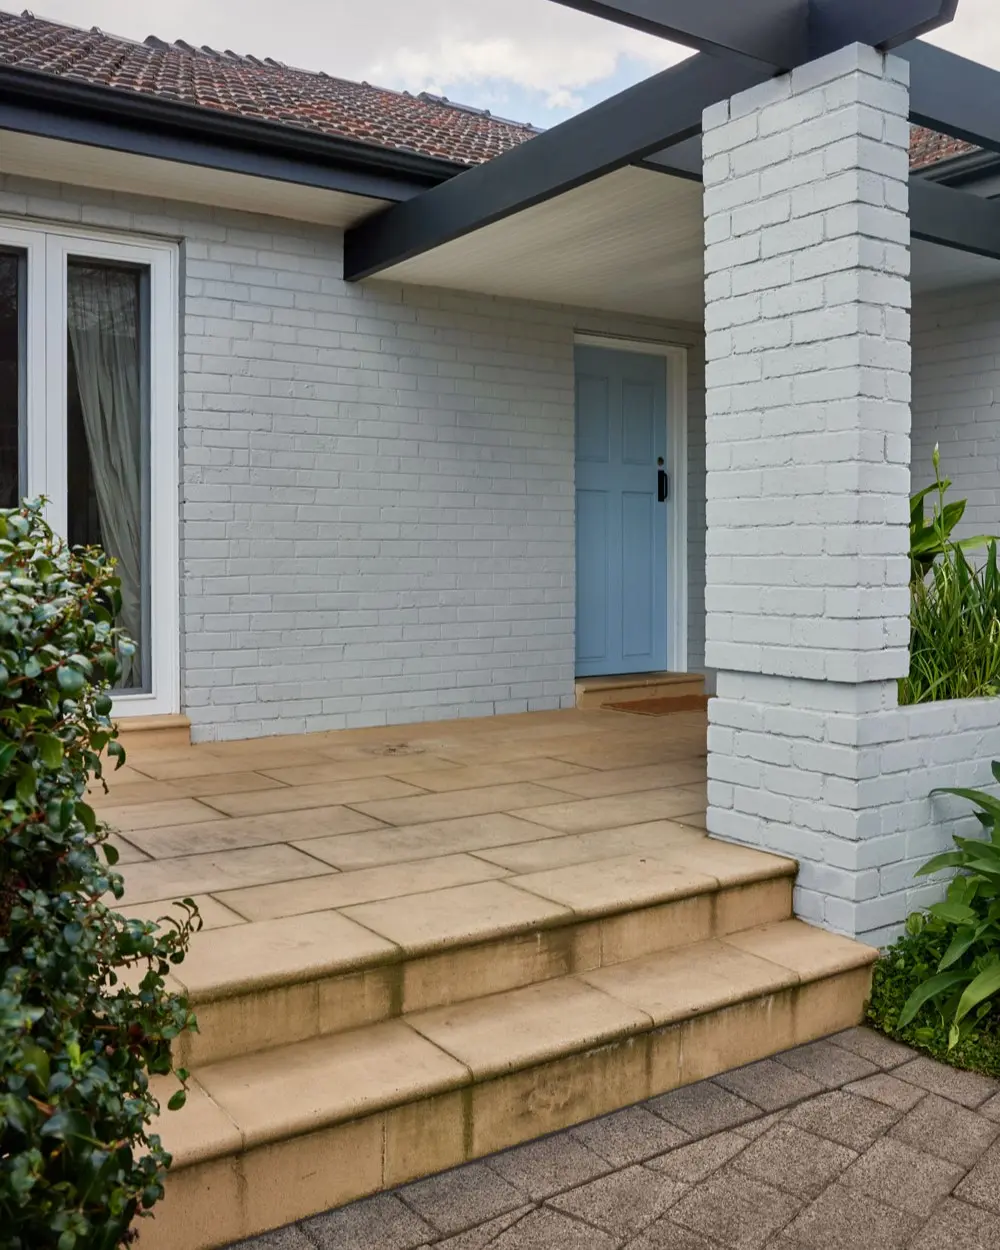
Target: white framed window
<point>88,418</point>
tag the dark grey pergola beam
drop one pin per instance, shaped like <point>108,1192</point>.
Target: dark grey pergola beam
<point>772,32</point>
<point>654,114</point>
<point>657,122</point>
<point>953,95</point>
<point>777,33</point>
<point>954,218</point>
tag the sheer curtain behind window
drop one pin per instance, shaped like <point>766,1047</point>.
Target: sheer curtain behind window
<point>104,341</point>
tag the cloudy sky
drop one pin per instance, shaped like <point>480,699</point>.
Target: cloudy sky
<point>532,60</point>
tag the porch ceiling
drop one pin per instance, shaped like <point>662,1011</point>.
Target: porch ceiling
<point>629,242</point>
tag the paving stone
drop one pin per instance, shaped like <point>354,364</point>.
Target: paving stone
<point>830,1066</point>
<point>485,1234</point>
<point>844,1118</point>
<point>968,1088</point>
<point>379,1223</point>
<point>887,1090</point>
<point>550,1166</point>
<point>735,1210</point>
<point>870,1045</point>
<point>982,1185</point>
<point>551,1230</point>
<point>792,1159</point>
<point>957,1226</point>
<point>990,1109</point>
<point>947,1130</point>
<point>768,1084</point>
<point>462,1198</point>
<point>666,1235</point>
<point>757,1128</point>
<point>843,1219</point>
<point>703,1109</point>
<point>695,1162</point>
<point>629,1136</point>
<point>622,1204</point>
<point>902,1177</point>
<point>289,1238</point>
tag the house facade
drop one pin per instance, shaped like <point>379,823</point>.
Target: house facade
<point>484,470</point>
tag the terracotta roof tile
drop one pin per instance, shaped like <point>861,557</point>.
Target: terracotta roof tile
<point>266,90</point>
<point>263,90</point>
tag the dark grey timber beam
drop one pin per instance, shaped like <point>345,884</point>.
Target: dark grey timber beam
<point>953,95</point>
<point>652,115</point>
<point>883,24</point>
<point>953,218</point>
<point>778,33</point>
<point>772,32</point>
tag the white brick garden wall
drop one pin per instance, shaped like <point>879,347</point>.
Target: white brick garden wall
<point>847,792</point>
<point>956,397</point>
<point>377,520</point>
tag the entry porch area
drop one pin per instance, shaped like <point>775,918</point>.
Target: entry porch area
<point>425,944</point>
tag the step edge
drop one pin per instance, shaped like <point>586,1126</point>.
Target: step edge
<point>445,1085</point>
<point>401,954</point>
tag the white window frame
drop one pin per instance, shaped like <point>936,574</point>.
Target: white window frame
<point>676,519</point>
<point>48,250</point>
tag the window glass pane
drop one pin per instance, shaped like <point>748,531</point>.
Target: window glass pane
<point>11,377</point>
<point>106,433</point>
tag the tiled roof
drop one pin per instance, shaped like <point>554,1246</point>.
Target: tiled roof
<point>927,147</point>
<point>262,90</point>
<point>268,91</point>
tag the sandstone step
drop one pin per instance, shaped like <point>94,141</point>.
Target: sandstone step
<point>273,1137</point>
<point>273,982</point>
<point>597,692</point>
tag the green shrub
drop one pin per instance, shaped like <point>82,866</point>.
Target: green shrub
<point>939,985</point>
<point>907,964</point>
<point>955,607</point>
<point>77,1043</point>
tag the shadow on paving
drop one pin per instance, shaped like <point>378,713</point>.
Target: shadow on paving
<point>853,1143</point>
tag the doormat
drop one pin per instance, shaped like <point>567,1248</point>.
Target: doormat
<point>662,707</point>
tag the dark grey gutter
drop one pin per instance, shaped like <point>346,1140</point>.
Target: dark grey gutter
<point>42,104</point>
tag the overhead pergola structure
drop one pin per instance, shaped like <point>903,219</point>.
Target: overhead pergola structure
<point>656,124</point>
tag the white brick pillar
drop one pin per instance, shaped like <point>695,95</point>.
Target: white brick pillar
<point>808,455</point>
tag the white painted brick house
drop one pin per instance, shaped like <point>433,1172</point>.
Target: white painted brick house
<point>379,501</point>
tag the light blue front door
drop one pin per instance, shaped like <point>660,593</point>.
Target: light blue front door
<point>621,531</point>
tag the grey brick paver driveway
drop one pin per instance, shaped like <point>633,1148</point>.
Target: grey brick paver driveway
<point>854,1143</point>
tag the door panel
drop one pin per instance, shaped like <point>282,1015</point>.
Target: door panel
<point>621,432</point>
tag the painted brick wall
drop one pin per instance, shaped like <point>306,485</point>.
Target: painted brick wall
<point>956,397</point>
<point>376,483</point>
<point>847,792</point>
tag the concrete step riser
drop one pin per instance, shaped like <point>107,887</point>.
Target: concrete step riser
<point>279,1015</point>
<point>214,1201</point>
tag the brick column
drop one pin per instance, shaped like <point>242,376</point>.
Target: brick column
<point>808,455</point>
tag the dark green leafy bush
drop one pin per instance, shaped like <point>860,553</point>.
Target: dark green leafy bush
<point>955,606</point>
<point>84,1015</point>
<point>939,985</point>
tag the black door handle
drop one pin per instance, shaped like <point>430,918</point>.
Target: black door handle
<point>662,486</point>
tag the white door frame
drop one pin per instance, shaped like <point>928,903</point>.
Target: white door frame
<point>47,247</point>
<point>676,518</point>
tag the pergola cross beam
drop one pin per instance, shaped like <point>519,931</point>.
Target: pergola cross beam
<point>777,33</point>
<point>657,123</point>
